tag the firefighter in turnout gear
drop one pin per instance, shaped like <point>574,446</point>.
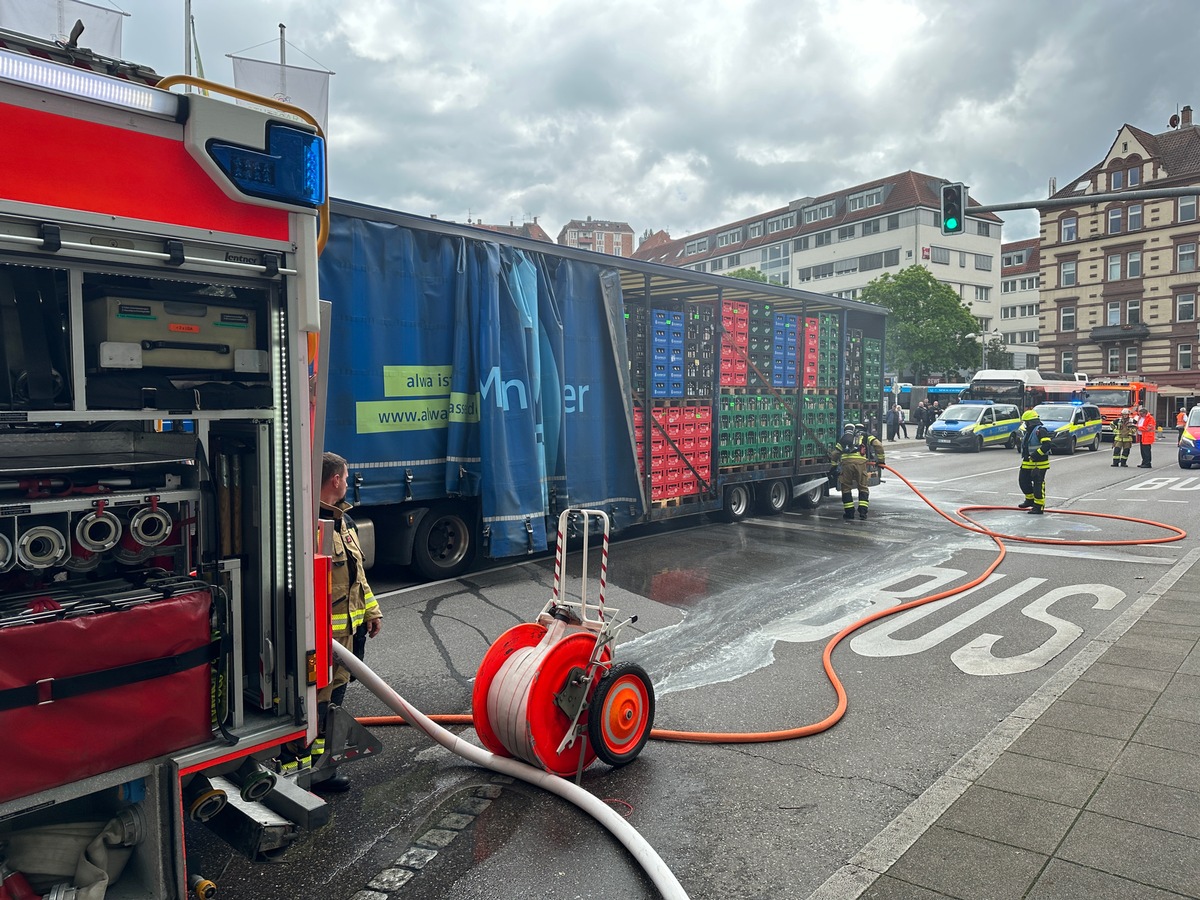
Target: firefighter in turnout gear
<point>851,454</point>
<point>1035,462</point>
<point>351,598</point>
<point>1124,433</point>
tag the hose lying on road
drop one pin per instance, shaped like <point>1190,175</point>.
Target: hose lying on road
<point>963,521</point>
<point>653,865</point>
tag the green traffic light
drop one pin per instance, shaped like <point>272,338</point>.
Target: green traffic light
<point>951,224</point>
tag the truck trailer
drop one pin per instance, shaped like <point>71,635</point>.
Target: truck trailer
<point>481,383</point>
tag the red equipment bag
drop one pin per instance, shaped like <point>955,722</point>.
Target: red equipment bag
<point>85,695</point>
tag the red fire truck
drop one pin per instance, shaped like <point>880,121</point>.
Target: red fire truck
<point>158,624</point>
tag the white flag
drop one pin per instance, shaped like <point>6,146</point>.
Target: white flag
<point>305,88</point>
<point>52,20</point>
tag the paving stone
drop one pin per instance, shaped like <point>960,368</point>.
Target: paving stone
<point>1095,694</point>
<point>1110,671</point>
<point>436,838</point>
<point>1162,806</point>
<point>1169,733</point>
<point>1143,627</point>
<point>473,806</point>
<point>390,879</point>
<point>888,888</point>
<point>1063,880</point>
<point>457,821</point>
<point>1184,685</point>
<point>1161,766</point>
<point>1145,855</point>
<point>492,791</point>
<point>1154,645</point>
<point>961,865</point>
<point>369,895</point>
<point>1106,722</point>
<point>1025,822</point>
<point>1087,750</point>
<point>416,857</point>
<point>1186,709</point>
<point>1042,779</point>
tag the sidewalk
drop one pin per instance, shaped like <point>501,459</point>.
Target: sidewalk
<point>1090,789</point>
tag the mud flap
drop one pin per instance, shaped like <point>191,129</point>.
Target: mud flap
<point>345,740</point>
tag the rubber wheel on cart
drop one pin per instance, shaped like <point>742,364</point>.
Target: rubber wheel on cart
<point>737,503</point>
<point>444,543</point>
<point>621,714</point>
<point>527,634</point>
<point>772,497</point>
<point>811,499</point>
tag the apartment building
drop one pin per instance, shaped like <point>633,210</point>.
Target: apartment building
<point>599,235</point>
<point>839,242</point>
<point>1020,281</point>
<point>531,230</point>
<point>1120,278</point>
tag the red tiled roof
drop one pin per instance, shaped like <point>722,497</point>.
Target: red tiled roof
<point>1032,262</point>
<point>1177,151</point>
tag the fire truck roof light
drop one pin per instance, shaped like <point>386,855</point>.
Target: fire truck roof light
<point>292,170</point>
<point>72,81</point>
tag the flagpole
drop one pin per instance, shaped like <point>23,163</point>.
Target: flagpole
<point>187,38</point>
<point>283,92</point>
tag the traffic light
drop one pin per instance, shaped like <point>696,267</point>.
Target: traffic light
<point>954,207</point>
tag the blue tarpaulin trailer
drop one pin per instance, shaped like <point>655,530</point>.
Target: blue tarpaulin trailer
<point>479,383</point>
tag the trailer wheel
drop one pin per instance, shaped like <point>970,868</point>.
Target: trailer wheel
<point>737,503</point>
<point>621,714</point>
<point>773,497</point>
<point>444,543</point>
<point>811,499</point>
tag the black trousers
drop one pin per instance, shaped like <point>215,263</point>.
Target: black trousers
<point>1146,454</point>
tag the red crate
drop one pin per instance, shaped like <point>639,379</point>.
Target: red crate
<point>703,413</point>
<point>674,415</point>
<point>687,443</point>
<point>639,417</point>
<point>702,459</point>
<point>658,477</point>
<point>704,442</point>
<point>687,428</point>
<point>657,492</point>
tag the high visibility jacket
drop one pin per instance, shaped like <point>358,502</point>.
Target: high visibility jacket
<point>1035,448</point>
<point>865,447</point>
<point>1147,428</point>
<point>1124,430</point>
<point>351,598</point>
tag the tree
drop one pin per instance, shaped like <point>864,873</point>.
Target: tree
<point>996,356</point>
<point>748,275</point>
<point>927,324</point>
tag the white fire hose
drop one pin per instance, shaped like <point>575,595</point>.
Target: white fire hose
<point>664,879</point>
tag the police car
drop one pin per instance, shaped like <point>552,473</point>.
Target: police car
<point>1071,425</point>
<point>973,425</point>
<point>1189,441</point>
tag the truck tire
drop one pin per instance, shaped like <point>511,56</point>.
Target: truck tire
<point>811,499</point>
<point>772,497</point>
<point>444,544</point>
<point>737,503</point>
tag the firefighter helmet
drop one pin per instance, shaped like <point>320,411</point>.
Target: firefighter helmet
<point>1125,411</point>
<point>1029,415</point>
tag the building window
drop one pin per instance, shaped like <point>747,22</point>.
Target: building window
<point>755,230</point>
<point>870,227</point>
<point>1186,257</point>
<point>1185,356</point>
<point>781,223</point>
<point>1113,366</point>
<point>1185,308</point>
<point>1135,217</point>
<point>893,222</point>
<point>1135,177</point>
<point>982,293</point>
<point>804,274</point>
<point>1117,179</point>
<point>870,261</point>
<point>825,270</point>
<point>1113,313</point>
<point>1066,319</point>
<point>1067,362</point>
<point>866,199</point>
<point>698,246</point>
<point>1014,259</point>
<point>817,213</point>
<point>939,255</point>
<point>891,257</point>
<point>1131,359</point>
<point>1114,221</point>
<point>1114,267</point>
<point>1187,209</point>
<point>1009,286</point>
<point>844,234</point>
<point>983,262</point>
<point>1133,312</point>
<point>800,243</point>
<point>824,238</point>
<point>1066,274</point>
<point>1133,264</point>
<point>983,229</point>
<point>729,237</point>
<point>1069,229</point>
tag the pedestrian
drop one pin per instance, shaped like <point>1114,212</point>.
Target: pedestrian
<point>351,600</point>
<point>1124,431</point>
<point>1180,424</point>
<point>892,421</point>
<point>1035,462</point>
<point>919,419</point>
<point>851,453</point>
<point>1147,429</point>
<point>903,420</point>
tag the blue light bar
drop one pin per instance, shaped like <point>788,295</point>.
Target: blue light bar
<point>292,170</point>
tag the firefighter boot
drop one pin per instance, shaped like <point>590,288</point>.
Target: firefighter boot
<point>1025,504</point>
<point>862,512</point>
<point>1036,510</point>
<point>847,506</point>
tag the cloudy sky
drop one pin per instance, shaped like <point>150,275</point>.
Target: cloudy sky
<point>686,115</point>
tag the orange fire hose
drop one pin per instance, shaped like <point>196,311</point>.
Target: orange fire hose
<point>964,521</point>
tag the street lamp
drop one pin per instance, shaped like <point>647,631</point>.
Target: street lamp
<point>984,337</point>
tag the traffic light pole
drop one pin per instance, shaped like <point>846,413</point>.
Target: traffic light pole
<point>1093,199</point>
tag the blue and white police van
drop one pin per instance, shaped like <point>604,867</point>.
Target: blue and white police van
<point>973,425</point>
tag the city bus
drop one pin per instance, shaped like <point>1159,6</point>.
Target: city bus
<point>1026,388</point>
<point>1114,395</point>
